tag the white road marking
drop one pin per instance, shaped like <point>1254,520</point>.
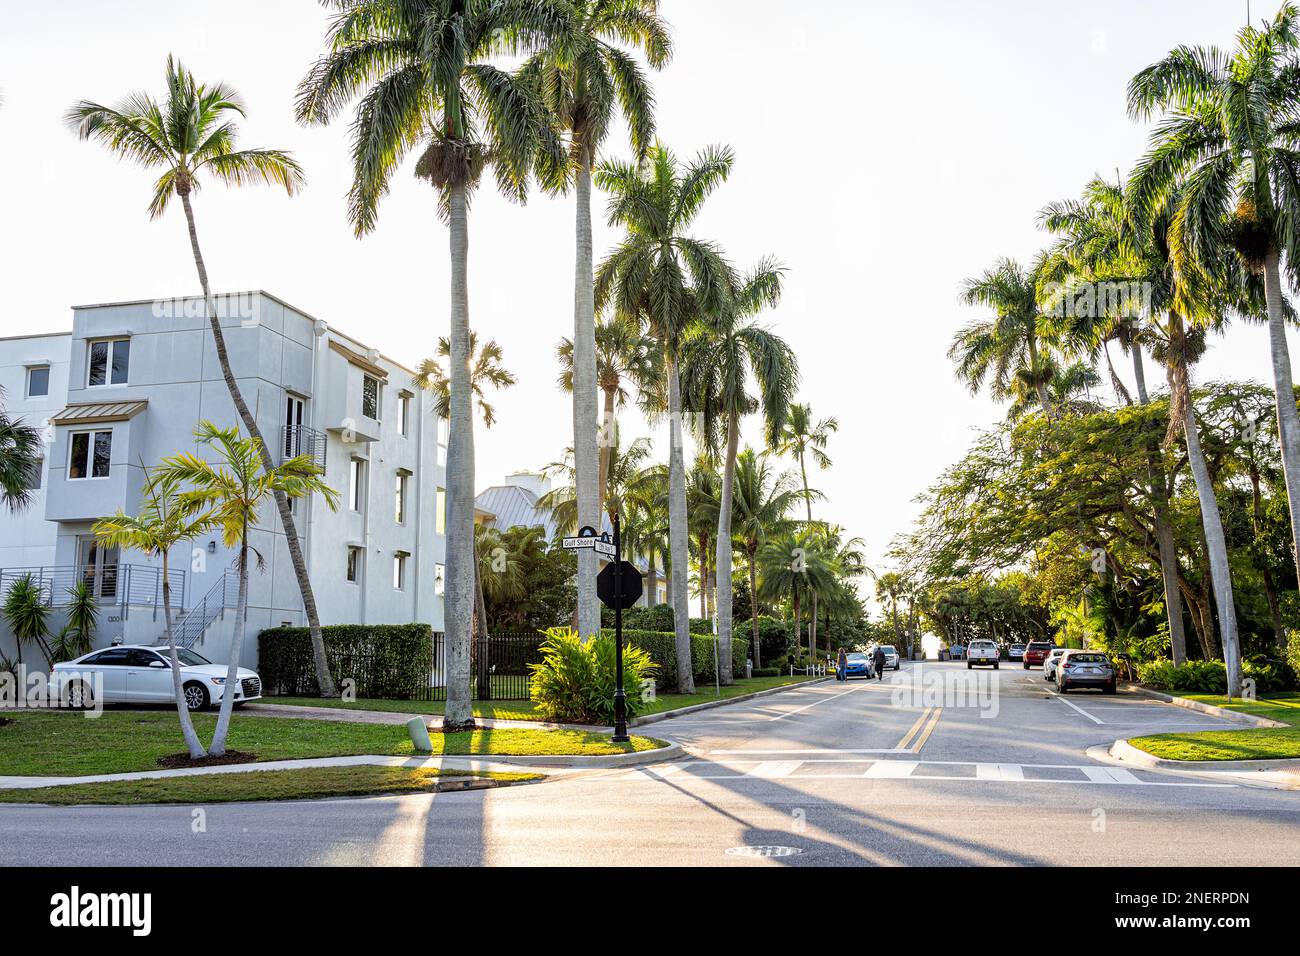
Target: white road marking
<point>999,771</point>
<point>891,769</point>
<point>799,753</point>
<point>1109,775</point>
<point>1095,720</point>
<point>800,710</point>
<point>775,768</point>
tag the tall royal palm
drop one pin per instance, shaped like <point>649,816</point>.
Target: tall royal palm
<point>667,279</point>
<point>762,503</point>
<point>587,77</point>
<point>1228,137</point>
<point>1009,347</point>
<point>188,136</point>
<point>423,71</point>
<point>718,363</point>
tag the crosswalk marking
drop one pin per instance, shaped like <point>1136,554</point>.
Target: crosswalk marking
<point>1109,775</point>
<point>891,769</point>
<point>775,768</point>
<point>999,771</point>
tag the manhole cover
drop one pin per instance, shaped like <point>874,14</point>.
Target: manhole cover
<point>764,851</point>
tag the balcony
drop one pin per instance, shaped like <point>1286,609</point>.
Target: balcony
<point>297,440</point>
<point>114,585</point>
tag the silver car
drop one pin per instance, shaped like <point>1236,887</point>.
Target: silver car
<point>1049,664</point>
<point>1085,669</point>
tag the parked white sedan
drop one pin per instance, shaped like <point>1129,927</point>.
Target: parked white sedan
<point>141,674</point>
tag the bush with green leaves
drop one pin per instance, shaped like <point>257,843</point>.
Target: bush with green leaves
<point>575,681</point>
<point>78,633</point>
<point>384,661</point>
<point>27,613</point>
<point>1211,677</point>
<point>662,648</point>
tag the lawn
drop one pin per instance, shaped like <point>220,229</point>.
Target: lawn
<point>525,710</point>
<point>1258,743</point>
<point>306,784</point>
<point>62,743</point>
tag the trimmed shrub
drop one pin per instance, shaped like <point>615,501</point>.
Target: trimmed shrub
<point>657,618</point>
<point>1211,677</point>
<point>662,648</point>
<point>575,681</point>
<point>385,661</point>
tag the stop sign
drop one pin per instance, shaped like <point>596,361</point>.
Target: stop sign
<point>627,593</point>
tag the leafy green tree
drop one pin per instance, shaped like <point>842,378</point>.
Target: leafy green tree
<point>424,73</point>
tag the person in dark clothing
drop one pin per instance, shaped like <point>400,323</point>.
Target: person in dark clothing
<point>878,660</point>
<point>841,666</point>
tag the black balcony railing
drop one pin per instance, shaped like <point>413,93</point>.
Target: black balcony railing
<point>297,440</point>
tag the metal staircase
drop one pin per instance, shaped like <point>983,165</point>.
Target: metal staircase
<point>189,628</point>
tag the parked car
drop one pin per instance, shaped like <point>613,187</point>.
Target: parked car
<point>858,664</point>
<point>982,651</point>
<point>1085,669</point>
<point>1016,652</point>
<point>141,674</point>
<point>891,656</point>
<point>1049,662</point>
<point>1036,652</point>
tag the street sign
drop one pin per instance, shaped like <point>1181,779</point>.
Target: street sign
<point>619,585</point>
<point>588,540</point>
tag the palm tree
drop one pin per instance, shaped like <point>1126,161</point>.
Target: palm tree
<point>1064,389</point>
<point>422,69</point>
<point>189,135</point>
<point>762,503</point>
<point>1008,347</point>
<point>1226,147</point>
<point>803,437</point>
<point>703,503</point>
<point>718,362</point>
<point>623,358</point>
<point>645,528</point>
<point>162,522</point>
<point>794,566</point>
<point>486,371</point>
<point>20,461</point>
<point>233,492</point>
<point>667,279</point>
<point>627,469</point>
<point>587,78</point>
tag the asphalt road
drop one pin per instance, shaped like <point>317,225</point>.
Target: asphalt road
<point>934,766</point>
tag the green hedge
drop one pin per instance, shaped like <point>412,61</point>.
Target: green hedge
<point>657,618</point>
<point>1211,677</point>
<point>662,648</point>
<point>385,661</point>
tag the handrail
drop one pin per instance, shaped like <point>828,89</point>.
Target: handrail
<point>133,585</point>
<point>190,626</point>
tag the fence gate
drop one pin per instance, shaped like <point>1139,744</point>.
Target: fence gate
<point>498,666</point>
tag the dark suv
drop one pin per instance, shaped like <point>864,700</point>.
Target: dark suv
<point>1037,652</point>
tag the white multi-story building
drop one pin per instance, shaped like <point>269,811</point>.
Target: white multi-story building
<point>128,386</point>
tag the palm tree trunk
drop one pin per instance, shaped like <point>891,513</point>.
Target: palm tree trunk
<point>324,680</point>
<point>218,747</point>
<point>807,500</point>
<point>677,533</point>
<point>1288,420</point>
<point>192,742</point>
<point>1220,572</point>
<point>458,598</point>
<point>585,451</point>
<point>652,588</point>
<point>608,435</point>
<point>1270,588</point>
<point>723,559</point>
<point>1139,373</point>
<point>753,608</point>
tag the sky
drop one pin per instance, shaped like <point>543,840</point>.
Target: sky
<point>885,152</point>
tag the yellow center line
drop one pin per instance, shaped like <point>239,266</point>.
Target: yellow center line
<point>929,729</point>
<point>916,728</point>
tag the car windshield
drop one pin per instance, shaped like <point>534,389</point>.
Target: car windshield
<point>189,659</point>
<point>857,657</point>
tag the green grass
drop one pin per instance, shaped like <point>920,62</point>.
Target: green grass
<point>526,710</point>
<point>1258,743</point>
<point>305,784</point>
<point>62,743</point>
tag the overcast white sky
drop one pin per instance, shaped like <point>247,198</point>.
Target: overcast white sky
<point>885,152</point>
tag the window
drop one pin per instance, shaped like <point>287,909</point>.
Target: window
<point>109,361</point>
<point>38,381</point>
<point>354,565</point>
<point>404,414</point>
<point>113,657</point>
<point>370,397</point>
<point>401,498</point>
<point>137,657</point>
<point>442,441</point>
<point>34,476</point>
<point>356,482</point>
<point>440,515</point>
<point>90,454</point>
<point>399,570</point>
<point>439,579</point>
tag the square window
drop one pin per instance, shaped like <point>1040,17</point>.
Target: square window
<point>38,381</point>
<point>89,454</point>
<point>109,362</point>
<point>354,565</point>
<point>370,397</point>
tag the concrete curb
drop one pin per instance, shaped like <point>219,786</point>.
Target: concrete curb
<point>604,762</point>
<point>1203,708</point>
<point>1125,751</point>
<point>710,704</point>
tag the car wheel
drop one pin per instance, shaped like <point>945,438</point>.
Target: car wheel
<point>79,696</point>
<point>1109,689</point>
<point>196,697</point>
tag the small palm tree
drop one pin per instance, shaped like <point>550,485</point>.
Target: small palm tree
<point>20,461</point>
<point>190,135</point>
<point>232,492</point>
<point>586,78</point>
<point>163,521</point>
<point>667,279</point>
<point>26,610</point>
<point>626,470</point>
<point>763,500</point>
<point>78,634</point>
<point>486,371</point>
<point>793,566</point>
<point>424,72</point>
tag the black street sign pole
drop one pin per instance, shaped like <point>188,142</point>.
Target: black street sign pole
<point>620,697</point>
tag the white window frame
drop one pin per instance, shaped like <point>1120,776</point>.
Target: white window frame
<point>360,554</point>
<point>399,570</point>
<point>404,414</point>
<point>357,485</point>
<point>38,368</point>
<point>440,511</point>
<point>108,361</point>
<point>401,491</point>
<point>378,416</point>
<point>92,434</point>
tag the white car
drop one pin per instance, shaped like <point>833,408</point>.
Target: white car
<point>1049,665</point>
<point>982,651</point>
<point>141,674</point>
<point>891,656</point>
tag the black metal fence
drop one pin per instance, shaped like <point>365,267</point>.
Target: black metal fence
<point>498,666</point>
